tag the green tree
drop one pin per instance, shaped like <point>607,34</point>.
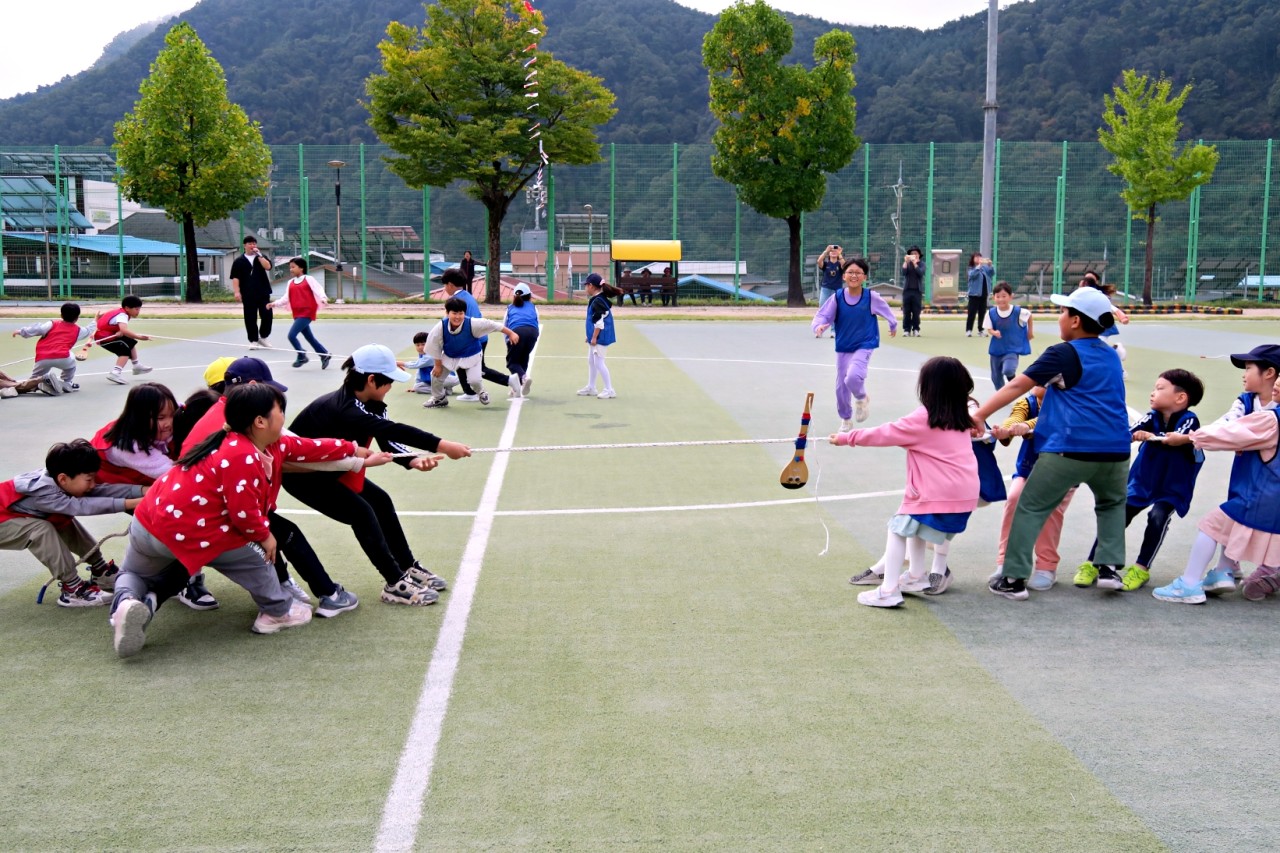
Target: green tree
<point>452,101</point>
<point>1142,134</point>
<point>185,148</point>
<point>782,128</point>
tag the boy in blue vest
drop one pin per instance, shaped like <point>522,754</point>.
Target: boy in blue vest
<point>1163,476</point>
<point>1011,334</point>
<point>455,345</point>
<point>1082,436</point>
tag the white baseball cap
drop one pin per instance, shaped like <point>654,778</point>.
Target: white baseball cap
<point>522,288</point>
<point>1089,301</point>
<point>375,358</point>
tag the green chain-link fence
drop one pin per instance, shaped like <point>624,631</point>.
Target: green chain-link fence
<point>1058,213</point>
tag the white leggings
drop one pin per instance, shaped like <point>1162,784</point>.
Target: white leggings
<point>596,365</point>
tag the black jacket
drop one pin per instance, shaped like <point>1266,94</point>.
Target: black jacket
<point>340,415</point>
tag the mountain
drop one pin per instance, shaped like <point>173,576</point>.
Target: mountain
<point>298,67</point>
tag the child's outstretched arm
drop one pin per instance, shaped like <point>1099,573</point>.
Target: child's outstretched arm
<point>1016,387</point>
<point>1258,431</point>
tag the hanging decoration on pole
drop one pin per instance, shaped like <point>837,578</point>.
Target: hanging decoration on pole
<point>538,189</point>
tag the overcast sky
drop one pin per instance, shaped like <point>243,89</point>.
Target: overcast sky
<point>44,43</point>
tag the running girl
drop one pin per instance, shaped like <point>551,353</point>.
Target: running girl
<point>853,313</point>
<point>303,298</point>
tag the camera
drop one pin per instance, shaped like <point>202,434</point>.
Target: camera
<point>836,247</point>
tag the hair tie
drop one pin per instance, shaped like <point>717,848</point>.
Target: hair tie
<point>226,427</point>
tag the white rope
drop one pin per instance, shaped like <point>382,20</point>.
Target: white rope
<point>625,445</point>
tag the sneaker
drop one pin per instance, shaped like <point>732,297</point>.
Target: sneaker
<point>483,397</point>
<point>8,392</point>
<point>862,408</point>
<point>468,398</point>
<point>1086,575</point>
<point>405,591</point>
<point>1014,589</point>
<point>1219,581</point>
<point>879,598</point>
<point>845,425</point>
<point>525,385</point>
<point>607,394</point>
<point>968,334</point>
<point>1109,578</point>
<point>513,381</point>
<point>298,593</point>
<point>868,578</point>
<point>195,596</point>
<point>339,601</point>
<point>425,578</point>
<point>261,343</point>
<point>67,386</point>
<point>117,377</point>
<point>299,361</point>
<point>82,593</point>
<point>436,403</point>
<point>1179,592</point>
<point>997,573</point>
<point>324,361</point>
<point>299,614</point>
<point>1263,582</point>
<point>139,369</point>
<point>1136,577</point>
<point>48,385</point>
<point>131,619</point>
<point>1042,581</point>
<point>105,577</point>
<point>938,583</point>
<point>588,391</point>
<point>907,583</point>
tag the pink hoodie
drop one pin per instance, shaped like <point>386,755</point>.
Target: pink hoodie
<point>942,472</point>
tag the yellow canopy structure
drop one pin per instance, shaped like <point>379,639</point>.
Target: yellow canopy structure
<point>646,250</point>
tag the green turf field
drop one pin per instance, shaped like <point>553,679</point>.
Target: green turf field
<point>643,649</point>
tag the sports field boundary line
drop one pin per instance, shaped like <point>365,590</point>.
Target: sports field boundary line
<point>402,812</point>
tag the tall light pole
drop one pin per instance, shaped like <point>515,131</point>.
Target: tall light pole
<point>986,238</point>
<point>591,243</point>
<point>337,203</point>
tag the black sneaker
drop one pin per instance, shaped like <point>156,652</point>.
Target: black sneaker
<point>105,575</point>
<point>195,596</point>
<point>938,583</point>
<point>324,361</point>
<point>1014,589</point>
<point>1109,578</point>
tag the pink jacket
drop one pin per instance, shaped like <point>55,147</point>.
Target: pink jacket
<point>942,472</point>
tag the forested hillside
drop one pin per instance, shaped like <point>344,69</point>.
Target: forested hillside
<point>298,67</point>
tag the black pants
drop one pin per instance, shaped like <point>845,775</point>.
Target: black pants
<point>518,354</point>
<point>497,377</point>
<point>257,319</point>
<point>1159,514</point>
<point>293,547</point>
<point>977,308</point>
<point>370,514</point>
<point>912,301</point>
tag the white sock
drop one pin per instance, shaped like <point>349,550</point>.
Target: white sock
<point>940,558</point>
<point>895,548</point>
<point>1198,560</point>
<point>915,558</point>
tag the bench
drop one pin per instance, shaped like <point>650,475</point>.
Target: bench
<point>644,288</point>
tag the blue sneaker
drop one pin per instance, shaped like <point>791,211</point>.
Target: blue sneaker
<point>1219,581</point>
<point>1180,593</point>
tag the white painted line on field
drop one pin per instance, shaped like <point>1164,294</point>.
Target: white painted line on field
<point>769,362</point>
<point>627,510</point>
<point>402,812</point>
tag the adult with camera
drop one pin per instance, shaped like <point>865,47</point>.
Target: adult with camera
<point>251,286</point>
<point>979,286</point>
<point>912,292</point>
<point>829,274</point>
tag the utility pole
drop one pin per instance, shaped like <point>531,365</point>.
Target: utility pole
<point>989,108</point>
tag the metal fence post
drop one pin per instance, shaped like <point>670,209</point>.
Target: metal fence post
<point>928,232</point>
<point>1266,209</point>
<point>553,265</point>
<point>364,235</point>
<point>426,243</point>
<point>866,199</point>
<point>995,213</point>
<point>304,204</point>
<point>675,190</point>
<point>737,246</point>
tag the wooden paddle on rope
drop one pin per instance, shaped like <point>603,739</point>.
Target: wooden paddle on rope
<point>796,474</point>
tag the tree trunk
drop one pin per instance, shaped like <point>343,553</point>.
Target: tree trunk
<point>1151,254</point>
<point>497,208</point>
<point>193,259</point>
<point>795,293</point>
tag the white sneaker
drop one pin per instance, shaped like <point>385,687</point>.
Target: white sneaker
<point>117,377</point>
<point>968,334</point>
<point>526,385</point>
<point>299,594</point>
<point>513,382</point>
<point>468,398</point>
<point>261,343</point>
<point>588,391</point>
<point>130,624</point>
<point>878,598</point>
<point>862,408</point>
<point>8,392</point>
<point>607,394</point>
<point>846,425</point>
<point>299,614</point>
<point>139,369</point>
<point>1042,580</point>
<point>907,583</point>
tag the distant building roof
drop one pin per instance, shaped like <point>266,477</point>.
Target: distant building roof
<point>30,203</point>
<point>109,244</point>
<point>219,234</point>
<point>693,283</point>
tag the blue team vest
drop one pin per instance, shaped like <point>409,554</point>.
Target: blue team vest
<point>606,334</point>
<point>460,344</point>
<point>473,308</point>
<point>856,326</point>
<point>525,315</point>
<point>1013,335</point>
<point>1027,454</point>
<point>1253,495</point>
<point>990,480</point>
<point>1091,416</point>
<point>1161,473</point>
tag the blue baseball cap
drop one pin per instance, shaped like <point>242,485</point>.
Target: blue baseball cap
<point>244,371</point>
<point>1266,354</point>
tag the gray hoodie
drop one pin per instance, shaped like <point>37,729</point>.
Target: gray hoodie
<point>42,497</point>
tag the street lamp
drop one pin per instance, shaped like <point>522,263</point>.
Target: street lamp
<point>591,243</point>
<point>337,203</point>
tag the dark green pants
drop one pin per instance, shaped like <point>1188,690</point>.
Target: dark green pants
<point>1051,478</point>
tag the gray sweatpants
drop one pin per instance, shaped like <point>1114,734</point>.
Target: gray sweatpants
<point>147,558</point>
<point>66,365</point>
<point>55,547</point>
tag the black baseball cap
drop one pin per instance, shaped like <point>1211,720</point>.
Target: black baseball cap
<point>1268,354</point>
